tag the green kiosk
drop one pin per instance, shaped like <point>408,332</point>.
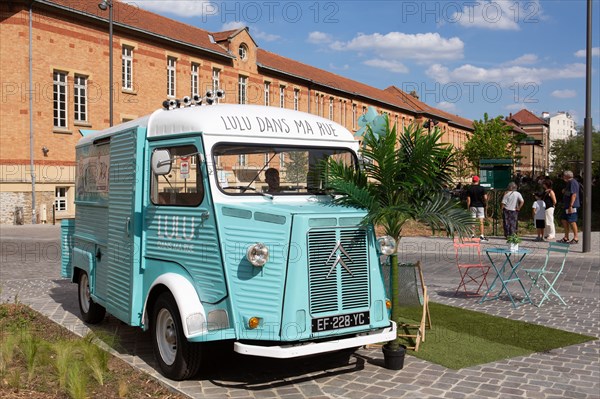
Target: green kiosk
<point>495,174</point>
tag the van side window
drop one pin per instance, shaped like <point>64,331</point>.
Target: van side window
<point>183,186</point>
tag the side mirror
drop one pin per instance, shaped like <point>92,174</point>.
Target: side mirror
<point>161,162</point>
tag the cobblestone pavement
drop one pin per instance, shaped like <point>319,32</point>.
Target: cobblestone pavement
<point>30,272</point>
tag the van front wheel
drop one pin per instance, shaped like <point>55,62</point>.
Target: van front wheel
<point>91,312</point>
<point>177,357</point>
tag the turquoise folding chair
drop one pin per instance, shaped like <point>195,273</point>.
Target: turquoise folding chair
<point>544,278</point>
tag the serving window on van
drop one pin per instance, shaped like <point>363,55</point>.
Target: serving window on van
<point>260,169</point>
<point>183,186</point>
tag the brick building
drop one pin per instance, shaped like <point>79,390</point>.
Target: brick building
<point>535,148</point>
<point>54,67</point>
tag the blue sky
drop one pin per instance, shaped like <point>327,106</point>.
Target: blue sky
<point>466,57</point>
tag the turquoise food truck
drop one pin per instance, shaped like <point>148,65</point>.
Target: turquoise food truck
<point>211,223</point>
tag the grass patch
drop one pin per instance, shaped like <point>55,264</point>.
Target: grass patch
<point>463,338</point>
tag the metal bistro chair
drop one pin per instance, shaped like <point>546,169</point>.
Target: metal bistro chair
<point>412,292</point>
<point>543,278</point>
<point>475,273</point>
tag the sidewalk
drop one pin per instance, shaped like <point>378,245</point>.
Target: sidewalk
<point>30,272</point>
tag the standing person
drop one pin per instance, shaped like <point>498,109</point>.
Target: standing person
<point>550,201</point>
<point>511,205</point>
<point>476,202</point>
<point>571,202</point>
<point>539,215</point>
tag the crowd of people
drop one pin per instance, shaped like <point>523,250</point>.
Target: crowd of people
<point>542,211</point>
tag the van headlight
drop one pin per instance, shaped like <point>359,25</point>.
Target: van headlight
<point>258,254</point>
<point>387,245</point>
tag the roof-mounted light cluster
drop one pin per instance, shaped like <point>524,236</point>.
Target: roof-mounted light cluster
<point>208,99</point>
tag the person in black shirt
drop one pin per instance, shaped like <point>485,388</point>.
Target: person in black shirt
<point>476,202</point>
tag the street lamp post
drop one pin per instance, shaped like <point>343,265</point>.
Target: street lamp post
<point>104,5</point>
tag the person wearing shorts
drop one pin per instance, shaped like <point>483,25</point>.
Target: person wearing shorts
<point>571,202</point>
<point>476,202</point>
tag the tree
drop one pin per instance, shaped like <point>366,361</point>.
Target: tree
<point>568,154</point>
<point>401,181</point>
<point>492,138</point>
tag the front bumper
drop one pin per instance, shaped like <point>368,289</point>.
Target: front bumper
<point>311,348</point>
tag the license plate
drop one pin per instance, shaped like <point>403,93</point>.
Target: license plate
<point>340,321</point>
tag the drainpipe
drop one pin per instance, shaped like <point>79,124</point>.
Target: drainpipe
<point>31,163</point>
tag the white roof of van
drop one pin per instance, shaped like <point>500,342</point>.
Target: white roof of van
<point>235,120</point>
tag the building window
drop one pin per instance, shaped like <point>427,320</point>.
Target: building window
<point>195,79</point>
<point>171,68</point>
<point>353,116</point>
<point>60,99</point>
<point>127,68</point>
<point>342,113</point>
<point>216,74</point>
<point>60,199</point>
<point>318,104</point>
<point>281,96</point>
<point>331,108</point>
<point>296,99</point>
<point>242,160</point>
<point>364,110</point>
<point>243,51</point>
<point>242,86</point>
<point>80,98</point>
<point>267,93</point>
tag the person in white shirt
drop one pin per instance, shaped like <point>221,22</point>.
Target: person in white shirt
<point>511,205</point>
<point>539,215</point>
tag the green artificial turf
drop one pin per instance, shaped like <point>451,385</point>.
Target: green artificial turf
<point>464,338</point>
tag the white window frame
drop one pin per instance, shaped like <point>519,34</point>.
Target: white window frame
<point>171,76</point>
<point>330,108</point>
<point>127,67</point>
<point>61,195</point>
<point>267,93</point>
<point>242,89</point>
<point>61,115</point>
<point>318,104</point>
<point>296,99</point>
<point>80,101</point>
<point>195,79</point>
<point>353,116</point>
<point>243,160</point>
<point>281,96</point>
<point>216,77</point>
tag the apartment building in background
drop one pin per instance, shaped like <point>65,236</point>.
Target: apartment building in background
<point>534,149</point>
<point>54,66</point>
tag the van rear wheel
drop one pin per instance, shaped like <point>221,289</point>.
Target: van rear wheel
<point>177,357</point>
<point>91,312</point>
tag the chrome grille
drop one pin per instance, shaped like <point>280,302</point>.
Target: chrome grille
<point>332,287</point>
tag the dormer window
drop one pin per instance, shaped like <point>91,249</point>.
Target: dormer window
<point>243,51</point>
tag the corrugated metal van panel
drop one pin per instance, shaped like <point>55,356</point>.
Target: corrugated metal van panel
<point>120,222</point>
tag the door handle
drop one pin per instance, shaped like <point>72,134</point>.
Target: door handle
<point>204,217</point>
<point>127,226</point>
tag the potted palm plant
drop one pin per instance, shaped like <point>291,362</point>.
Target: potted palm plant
<point>401,178</point>
<point>513,241</point>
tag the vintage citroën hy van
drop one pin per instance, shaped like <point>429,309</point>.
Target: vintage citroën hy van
<point>211,223</point>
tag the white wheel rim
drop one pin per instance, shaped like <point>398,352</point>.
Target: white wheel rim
<point>84,293</point>
<point>166,336</point>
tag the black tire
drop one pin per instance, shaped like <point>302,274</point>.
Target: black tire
<point>177,358</point>
<point>91,312</point>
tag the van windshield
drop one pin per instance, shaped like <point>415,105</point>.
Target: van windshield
<point>263,169</point>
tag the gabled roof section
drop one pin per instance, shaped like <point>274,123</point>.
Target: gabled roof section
<point>230,34</point>
<point>133,17</point>
<point>287,66</point>
<point>515,127</point>
<point>525,117</point>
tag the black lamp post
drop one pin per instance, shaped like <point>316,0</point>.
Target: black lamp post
<point>104,5</point>
<point>428,123</point>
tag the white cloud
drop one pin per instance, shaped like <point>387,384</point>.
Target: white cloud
<point>595,52</point>
<point>181,8</point>
<point>392,66</point>
<point>564,93</point>
<point>344,67</point>
<point>233,25</point>
<point>447,106</point>
<point>317,37</point>
<point>504,76</point>
<point>396,45</point>
<point>498,14</point>
<point>525,59</point>
<point>267,37</point>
